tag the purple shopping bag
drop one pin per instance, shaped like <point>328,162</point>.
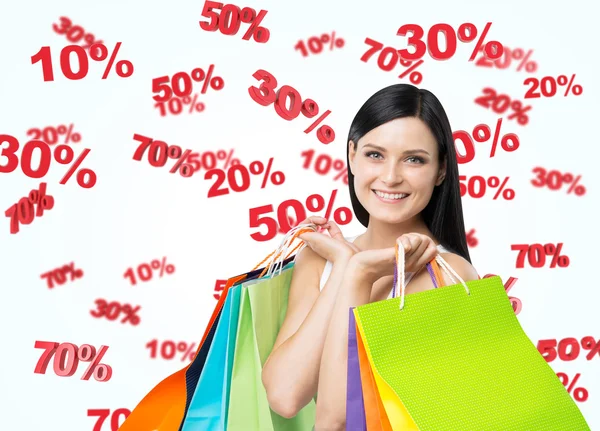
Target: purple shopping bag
<point>355,408</point>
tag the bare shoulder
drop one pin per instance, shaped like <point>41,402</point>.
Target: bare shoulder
<point>309,264</point>
<point>461,265</point>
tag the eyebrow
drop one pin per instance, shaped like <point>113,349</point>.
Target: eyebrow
<point>415,151</point>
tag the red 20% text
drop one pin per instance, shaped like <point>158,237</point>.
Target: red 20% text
<point>471,240</point>
<point>516,303</point>
<point>256,168</point>
<point>554,180</point>
<point>145,271</point>
<point>314,204</point>
<point>50,135</point>
<point>103,414</point>
<point>315,44</point>
<point>159,152</point>
<point>568,349</point>
<point>228,22</point>
<point>219,286</point>
<point>500,103</point>
<point>112,311</point>
<point>74,33</point>
<point>536,255</point>
<point>59,275</point>
<point>168,350</point>
<point>98,52</point>
<point>492,182</point>
<point>175,105</point>
<point>63,154</point>
<point>548,86</point>
<point>22,212</point>
<point>482,133</point>
<point>509,55</point>
<point>580,394</point>
<point>389,57</point>
<point>265,95</point>
<point>324,163</point>
<point>466,33</point>
<point>180,84</point>
<point>67,357</point>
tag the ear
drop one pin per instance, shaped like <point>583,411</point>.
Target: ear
<point>351,155</point>
<point>441,174</point>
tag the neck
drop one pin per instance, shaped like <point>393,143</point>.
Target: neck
<point>383,235</point>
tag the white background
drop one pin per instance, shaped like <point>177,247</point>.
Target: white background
<point>137,213</point>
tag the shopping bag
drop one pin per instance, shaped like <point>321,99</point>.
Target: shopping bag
<point>355,408</point>
<point>456,358</point>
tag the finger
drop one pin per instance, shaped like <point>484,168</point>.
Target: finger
<point>335,231</point>
<point>319,221</point>
<point>428,255</point>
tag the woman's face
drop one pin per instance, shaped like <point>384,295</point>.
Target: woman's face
<point>395,168</point>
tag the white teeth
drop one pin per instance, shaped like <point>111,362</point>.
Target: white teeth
<point>390,196</point>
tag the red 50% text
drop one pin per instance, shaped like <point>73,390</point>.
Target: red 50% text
<point>568,348</point>
<point>228,22</point>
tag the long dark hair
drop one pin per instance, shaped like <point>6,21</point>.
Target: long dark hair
<point>443,214</point>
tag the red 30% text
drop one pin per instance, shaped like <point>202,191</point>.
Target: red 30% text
<point>228,22</point>
<point>499,103</point>
<point>482,133</point>
<point>175,105</point>
<point>112,311</point>
<point>50,135</point>
<point>315,44</point>
<point>98,52</point>
<point>314,204</point>
<point>63,154</point>
<point>509,55</point>
<point>536,255</point>
<point>67,357</point>
<point>168,350</point>
<point>181,84</point>
<point>159,152</point>
<point>466,33</point>
<point>388,59</point>
<point>219,287</point>
<point>471,240</point>
<point>103,414</point>
<point>548,86</point>
<point>568,349</point>
<point>256,168</point>
<point>480,183</point>
<point>74,33</point>
<point>323,164</point>
<point>145,271</point>
<point>22,212</point>
<point>59,275</point>
<point>580,394</point>
<point>516,303</point>
<point>265,95</point>
<point>554,180</point>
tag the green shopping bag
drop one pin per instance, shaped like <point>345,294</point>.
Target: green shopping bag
<point>457,358</point>
<point>263,305</point>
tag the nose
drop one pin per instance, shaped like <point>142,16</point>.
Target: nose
<point>391,173</point>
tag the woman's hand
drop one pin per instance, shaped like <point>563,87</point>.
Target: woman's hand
<point>333,247</point>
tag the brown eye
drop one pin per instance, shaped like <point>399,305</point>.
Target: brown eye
<point>416,159</point>
<point>372,154</point>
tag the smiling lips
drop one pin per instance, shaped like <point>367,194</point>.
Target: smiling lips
<point>391,196</point>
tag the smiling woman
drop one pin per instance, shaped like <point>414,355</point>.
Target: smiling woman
<point>403,183</point>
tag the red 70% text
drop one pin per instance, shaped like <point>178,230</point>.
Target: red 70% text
<point>536,254</point>
<point>22,211</point>
<point>256,168</point>
<point>67,357</point>
<point>60,275</point>
<point>482,133</point>
<point>145,271</point>
<point>492,182</point>
<point>230,19</point>
<point>159,152</point>
<point>105,413</point>
<point>111,311</point>
<point>181,83</point>
<point>389,57</point>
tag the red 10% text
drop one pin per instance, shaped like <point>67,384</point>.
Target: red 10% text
<point>266,94</point>
<point>315,44</point>
<point>22,212</point>
<point>482,133</point>
<point>59,275</point>
<point>159,152</point>
<point>63,154</point>
<point>112,311</point>
<point>324,163</point>
<point>509,55</point>
<point>536,255</point>
<point>256,168</point>
<point>168,350</point>
<point>181,83</point>
<point>554,180</point>
<point>466,33</point>
<point>516,303</point>
<point>74,33</point>
<point>314,204</point>
<point>492,182</point>
<point>389,57</point>
<point>228,22</point>
<point>580,394</point>
<point>67,357</point>
<point>103,414</point>
<point>98,52</point>
<point>50,135</point>
<point>175,105</point>
<point>548,86</point>
<point>568,349</point>
<point>145,271</point>
<point>500,103</point>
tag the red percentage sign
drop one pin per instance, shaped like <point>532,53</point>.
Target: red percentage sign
<point>554,180</point>
<point>588,343</point>
<point>415,77</point>
<point>260,34</point>
<point>159,152</point>
<point>500,103</point>
<point>60,275</point>
<point>103,54</point>
<point>568,349</point>
<point>181,83</point>
<point>112,311</point>
<point>145,271</point>
<point>324,163</point>
<point>175,105</point>
<point>67,158</point>
<point>580,394</point>
<point>189,351</point>
<point>22,211</point>
<point>256,168</point>
<point>519,112</point>
<point>67,357</point>
<point>479,181</point>
<point>536,254</point>
<point>315,44</point>
<point>105,413</point>
<point>229,22</point>
<point>51,134</point>
<point>388,59</point>
<point>471,240</point>
<point>482,133</point>
<point>516,303</point>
